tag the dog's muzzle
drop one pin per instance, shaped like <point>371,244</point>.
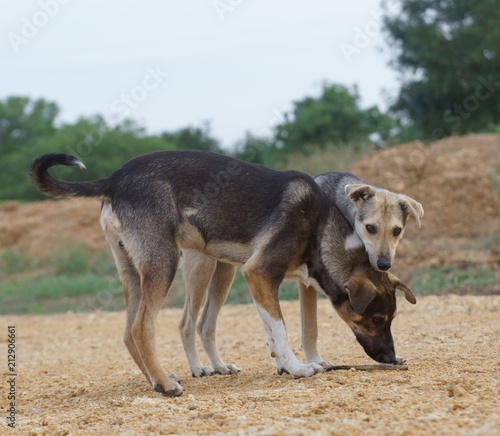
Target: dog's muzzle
<point>386,358</point>
<point>380,349</point>
<point>383,264</point>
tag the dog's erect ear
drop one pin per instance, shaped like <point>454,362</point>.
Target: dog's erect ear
<point>356,192</point>
<point>361,292</point>
<point>398,284</point>
<point>411,207</point>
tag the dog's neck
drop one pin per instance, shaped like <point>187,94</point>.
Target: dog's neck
<point>348,209</point>
<point>333,185</point>
<point>334,255</point>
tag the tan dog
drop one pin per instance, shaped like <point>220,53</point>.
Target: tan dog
<point>379,217</point>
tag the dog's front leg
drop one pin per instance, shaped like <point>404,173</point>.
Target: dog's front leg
<point>265,297</point>
<point>308,297</point>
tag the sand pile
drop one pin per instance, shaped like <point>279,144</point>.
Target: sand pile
<point>454,179</point>
<point>38,228</point>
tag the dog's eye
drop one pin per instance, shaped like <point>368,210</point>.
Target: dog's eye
<point>377,320</point>
<point>371,229</point>
<point>397,231</point>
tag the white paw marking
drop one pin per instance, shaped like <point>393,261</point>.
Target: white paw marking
<point>278,344</point>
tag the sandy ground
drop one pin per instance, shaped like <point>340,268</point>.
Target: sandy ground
<point>76,377</point>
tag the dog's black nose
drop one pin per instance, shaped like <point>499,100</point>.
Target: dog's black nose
<point>383,265</point>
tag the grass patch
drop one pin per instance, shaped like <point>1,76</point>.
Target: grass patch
<point>495,178</point>
<point>441,280</point>
<point>12,262</point>
<point>75,278</point>
<point>239,293</point>
<point>78,292</point>
<point>489,243</point>
<point>493,242</point>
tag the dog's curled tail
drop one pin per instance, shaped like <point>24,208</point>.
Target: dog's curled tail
<point>53,187</point>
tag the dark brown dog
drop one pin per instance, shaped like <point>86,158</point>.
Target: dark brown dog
<point>272,224</point>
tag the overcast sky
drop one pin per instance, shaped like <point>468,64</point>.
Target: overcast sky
<point>170,64</point>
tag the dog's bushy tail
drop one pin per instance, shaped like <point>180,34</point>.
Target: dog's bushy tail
<point>53,187</point>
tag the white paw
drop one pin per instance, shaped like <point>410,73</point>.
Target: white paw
<point>317,367</point>
<point>202,371</point>
<point>303,371</point>
<point>326,365</point>
<point>175,378</point>
<point>400,360</point>
<point>226,369</point>
<point>172,389</point>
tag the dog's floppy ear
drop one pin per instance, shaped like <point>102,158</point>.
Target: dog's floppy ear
<point>356,192</point>
<point>361,292</point>
<point>411,207</point>
<point>398,284</point>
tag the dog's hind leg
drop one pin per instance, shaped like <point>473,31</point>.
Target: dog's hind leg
<point>198,270</point>
<point>156,272</point>
<point>309,325</point>
<point>217,293</point>
<point>131,283</point>
<point>129,277</point>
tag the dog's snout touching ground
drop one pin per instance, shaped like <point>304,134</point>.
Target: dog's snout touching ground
<point>386,358</point>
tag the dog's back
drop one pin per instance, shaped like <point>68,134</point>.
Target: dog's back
<point>214,203</point>
<point>223,198</point>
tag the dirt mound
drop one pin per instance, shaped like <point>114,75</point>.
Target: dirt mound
<point>37,229</point>
<point>453,179</point>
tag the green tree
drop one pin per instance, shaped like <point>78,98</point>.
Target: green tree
<point>193,138</point>
<point>256,149</point>
<point>24,125</point>
<point>448,53</point>
<point>23,121</point>
<point>335,117</point>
